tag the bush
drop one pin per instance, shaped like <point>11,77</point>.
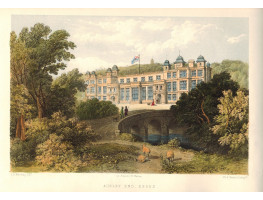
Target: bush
<point>74,132</point>
<point>56,154</point>
<point>95,109</point>
<point>39,131</point>
<point>174,143</point>
<point>20,152</point>
<point>129,137</point>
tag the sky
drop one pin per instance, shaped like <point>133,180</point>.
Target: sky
<point>106,41</point>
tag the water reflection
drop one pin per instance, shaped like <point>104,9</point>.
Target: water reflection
<point>156,139</point>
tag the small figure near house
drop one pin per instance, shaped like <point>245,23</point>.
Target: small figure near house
<point>153,103</point>
<point>126,111</point>
<point>121,113</point>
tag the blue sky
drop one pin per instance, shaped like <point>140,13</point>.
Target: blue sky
<point>105,41</point>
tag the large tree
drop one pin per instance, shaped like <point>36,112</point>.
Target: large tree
<point>197,109</point>
<point>63,91</point>
<point>19,65</point>
<point>47,52</point>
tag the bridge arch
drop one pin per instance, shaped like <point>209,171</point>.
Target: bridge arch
<point>155,125</point>
<point>135,129</point>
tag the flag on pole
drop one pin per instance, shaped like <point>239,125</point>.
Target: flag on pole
<point>135,59</point>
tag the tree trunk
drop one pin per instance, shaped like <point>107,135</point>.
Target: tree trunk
<point>18,127</point>
<point>22,135</point>
<point>203,112</point>
<point>39,109</point>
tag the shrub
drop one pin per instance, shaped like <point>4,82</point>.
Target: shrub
<point>56,154</point>
<point>20,152</point>
<point>174,143</point>
<point>74,132</point>
<point>95,109</point>
<point>39,131</point>
<point>232,123</point>
<point>128,137</point>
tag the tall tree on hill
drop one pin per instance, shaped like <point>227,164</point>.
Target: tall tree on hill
<point>47,52</point>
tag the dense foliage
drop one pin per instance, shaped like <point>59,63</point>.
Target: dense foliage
<point>57,155</point>
<point>198,108</point>
<point>36,54</point>
<point>232,122</point>
<point>39,131</point>
<point>237,69</point>
<point>43,53</point>
<point>21,152</point>
<point>95,109</point>
<point>62,93</point>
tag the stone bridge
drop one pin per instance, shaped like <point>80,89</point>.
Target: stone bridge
<point>160,123</point>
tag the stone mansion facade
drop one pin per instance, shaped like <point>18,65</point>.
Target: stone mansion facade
<point>163,87</point>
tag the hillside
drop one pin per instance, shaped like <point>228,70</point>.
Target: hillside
<point>134,69</point>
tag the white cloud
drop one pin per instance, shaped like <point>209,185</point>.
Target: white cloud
<point>187,33</point>
<point>148,37</point>
<point>237,39</point>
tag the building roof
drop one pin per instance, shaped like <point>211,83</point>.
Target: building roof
<point>109,70</point>
<point>179,59</point>
<point>93,72</point>
<point>166,63</point>
<point>200,59</point>
<point>208,64</point>
<point>87,72</point>
<point>115,68</point>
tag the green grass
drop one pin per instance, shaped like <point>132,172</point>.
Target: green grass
<point>110,157</point>
<point>134,69</point>
<point>206,164</point>
<point>28,167</point>
<point>113,157</point>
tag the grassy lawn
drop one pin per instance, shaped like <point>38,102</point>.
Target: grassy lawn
<point>208,164</point>
<point>110,157</point>
<point>28,167</point>
<point>121,157</point>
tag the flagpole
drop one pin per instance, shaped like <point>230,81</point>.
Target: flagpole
<point>139,64</point>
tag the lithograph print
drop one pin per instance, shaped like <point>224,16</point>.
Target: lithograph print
<point>129,94</point>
